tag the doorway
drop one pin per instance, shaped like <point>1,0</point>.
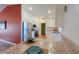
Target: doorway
<point>43,29</point>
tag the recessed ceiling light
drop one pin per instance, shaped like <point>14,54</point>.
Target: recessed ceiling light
<point>30,8</point>
<point>49,11</point>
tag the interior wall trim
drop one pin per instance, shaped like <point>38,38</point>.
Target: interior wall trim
<point>7,41</point>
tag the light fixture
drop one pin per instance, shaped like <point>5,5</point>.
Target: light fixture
<point>65,8</point>
<point>30,8</point>
<point>49,11</point>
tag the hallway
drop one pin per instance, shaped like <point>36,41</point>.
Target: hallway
<point>51,27</point>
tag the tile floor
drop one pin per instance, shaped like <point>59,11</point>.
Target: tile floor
<point>4,45</point>
<point>55,43</point>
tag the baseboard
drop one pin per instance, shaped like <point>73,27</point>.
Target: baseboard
<point>69,38</point>
<point>7,41</point>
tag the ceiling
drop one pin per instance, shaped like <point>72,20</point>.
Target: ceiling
<point>40,10</point>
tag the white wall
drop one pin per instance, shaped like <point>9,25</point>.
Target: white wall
<point>27,16</point>
<point>71,23</point>
<point>50,23</point>
<point>59,15</point>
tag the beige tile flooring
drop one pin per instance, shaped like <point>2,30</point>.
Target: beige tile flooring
<point>4,45</point>
<point>22,47</point>
<point>62,45</point>
<point>55,43</point>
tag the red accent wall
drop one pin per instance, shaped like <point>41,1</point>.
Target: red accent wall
<point>12,15</point>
